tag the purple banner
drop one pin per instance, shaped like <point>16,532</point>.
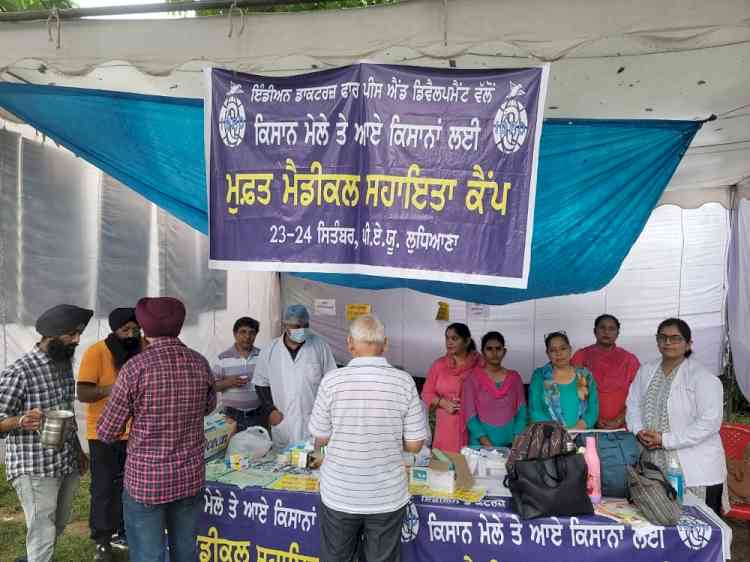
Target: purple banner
<point>264,525</point>
<point>375,169</point>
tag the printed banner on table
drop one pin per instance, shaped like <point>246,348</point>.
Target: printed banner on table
<point>375,169</point>
<point>266,525</point>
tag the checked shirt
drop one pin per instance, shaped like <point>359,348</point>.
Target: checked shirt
<point>166,390</point>
<point>35,381</point>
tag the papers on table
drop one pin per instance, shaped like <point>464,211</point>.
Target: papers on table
<point>248,478</point>
<point>466,496</point>
<point>296,483</point>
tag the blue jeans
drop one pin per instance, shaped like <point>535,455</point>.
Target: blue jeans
<point>145,525</point>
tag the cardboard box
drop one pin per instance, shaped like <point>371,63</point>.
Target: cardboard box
<point>298,458</point>
<point>239,462</point>
<point>217,432</point>
<point>449,470</point>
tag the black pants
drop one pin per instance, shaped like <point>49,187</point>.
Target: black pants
<point>246,418</point>
<point>341,533</point>
<point>713,497</point>
<point>107,472</point>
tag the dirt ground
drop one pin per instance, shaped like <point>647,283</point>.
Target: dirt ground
<point>740,540</point>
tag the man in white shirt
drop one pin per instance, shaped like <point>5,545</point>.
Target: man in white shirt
<point>366,414</point>
<point>287,376</point>
<point>233,373</point>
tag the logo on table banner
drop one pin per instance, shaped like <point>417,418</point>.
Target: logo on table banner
<point>232,118</point>
<point>695,534</point>
<point>511,122</point>
<point>410,527</point>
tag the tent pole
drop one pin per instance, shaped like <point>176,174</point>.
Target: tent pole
<point>183,6</point>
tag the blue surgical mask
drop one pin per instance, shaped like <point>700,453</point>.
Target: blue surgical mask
<point>297,335</point>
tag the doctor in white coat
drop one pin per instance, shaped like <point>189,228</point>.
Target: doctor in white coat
<point>287,376</point>
<point>675,407</point>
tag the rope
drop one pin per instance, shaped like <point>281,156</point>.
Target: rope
<point>445,23</point>
<point>230,15</point>
<point>54,14</point>
<point>242,21</point>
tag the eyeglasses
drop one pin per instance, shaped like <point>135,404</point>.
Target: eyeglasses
<point>663,338</point>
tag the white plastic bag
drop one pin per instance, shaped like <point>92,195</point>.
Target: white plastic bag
<point>254,442</point>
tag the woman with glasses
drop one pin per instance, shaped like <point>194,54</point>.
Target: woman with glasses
<point>675,408</point>
<point>494,402</point>
<point>444,387</point>
<point>562,392</point>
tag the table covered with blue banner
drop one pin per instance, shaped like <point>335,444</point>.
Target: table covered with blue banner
<point>263,525</point>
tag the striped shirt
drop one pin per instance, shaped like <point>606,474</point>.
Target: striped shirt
<point>366,410</point>
<point>35,381</point>
<point>232,363</point>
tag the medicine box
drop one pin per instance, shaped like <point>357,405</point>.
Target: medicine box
<point>443,481</point>
<point>217,432</point>
<point>419,475</point>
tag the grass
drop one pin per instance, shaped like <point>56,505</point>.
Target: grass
<point>742,417</point>
<point>73,546</point>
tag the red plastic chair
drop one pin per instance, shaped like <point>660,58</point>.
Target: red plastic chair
<point>735,437</point>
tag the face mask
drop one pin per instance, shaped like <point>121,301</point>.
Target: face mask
<point>60,352</point>
<point>297,335</point>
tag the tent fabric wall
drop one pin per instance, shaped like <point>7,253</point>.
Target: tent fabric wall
<point>676,268</point>
<point>70,233</point>
<point>611,173</point>
<point>738,297</point>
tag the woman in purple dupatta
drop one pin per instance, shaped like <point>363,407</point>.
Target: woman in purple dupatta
<point>494,403</point>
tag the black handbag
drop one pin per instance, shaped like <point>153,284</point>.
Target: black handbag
<point>549,486</point>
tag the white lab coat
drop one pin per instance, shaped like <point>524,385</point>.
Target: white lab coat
<point>294,384</point>
<point>695,408</point>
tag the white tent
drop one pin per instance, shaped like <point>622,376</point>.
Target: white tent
<point>674,59</point>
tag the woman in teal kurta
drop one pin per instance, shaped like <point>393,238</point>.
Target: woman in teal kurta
<point>493,399</point>
<point>561,392</point>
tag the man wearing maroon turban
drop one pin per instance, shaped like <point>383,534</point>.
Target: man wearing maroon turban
<point>166,390</point>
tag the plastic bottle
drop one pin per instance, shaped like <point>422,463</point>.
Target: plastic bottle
<point>594,482</point>
<point>675,476</point>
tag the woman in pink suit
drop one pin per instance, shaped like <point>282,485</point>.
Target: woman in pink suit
<point>444,386</point>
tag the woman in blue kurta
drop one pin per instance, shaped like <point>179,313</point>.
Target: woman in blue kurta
<point>561,392</point>
<point>493,400</point>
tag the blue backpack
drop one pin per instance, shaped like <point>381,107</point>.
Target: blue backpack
<point>617,450</point>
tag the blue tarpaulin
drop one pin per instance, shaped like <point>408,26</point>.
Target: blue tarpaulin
<point>598,180</point>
